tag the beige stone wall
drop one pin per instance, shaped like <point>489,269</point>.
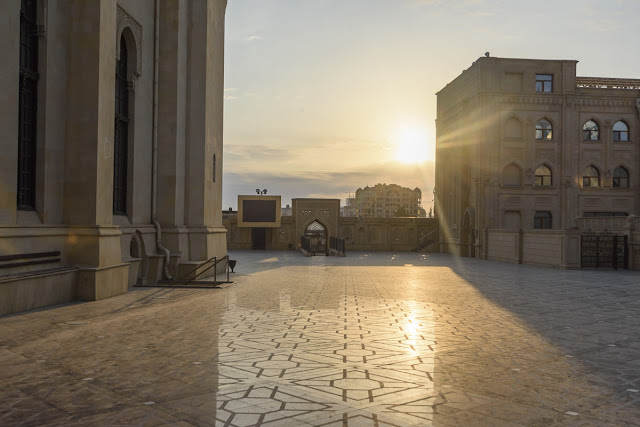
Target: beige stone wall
<point>368,234</point>
<point>176,95</point>
<point>549,248</point>
<point>486,125</point>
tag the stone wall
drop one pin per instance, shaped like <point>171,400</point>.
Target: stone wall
<point>367,234</point>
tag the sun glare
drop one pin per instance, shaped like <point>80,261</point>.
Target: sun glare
<point>411,145</point>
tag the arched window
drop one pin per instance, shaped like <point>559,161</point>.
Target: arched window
<point>590,131</point>
<point>542,220</point>
<point>591,177</point>
<point>27,106</point>
<point>513,129</point>
<point>121,133</point>
<point>543,176</point>
<point>544,130</point>
<point>512,175</point>
<point>620,178</point>
<point>620,131</point>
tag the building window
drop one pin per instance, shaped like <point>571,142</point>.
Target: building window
<point>544,130</point>
<point>591,177</point>
<point>620,131</point>
<point>544,83</point>
<point>620,178</point>
<point>121,134</point>
<point>28,103</point>
<point>543,176</point>
<point>590,131</point>
<point>542,220</point>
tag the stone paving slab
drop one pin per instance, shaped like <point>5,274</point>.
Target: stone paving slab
<point>373,339</point>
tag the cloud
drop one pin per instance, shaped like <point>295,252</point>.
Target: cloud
<point>253,38</point>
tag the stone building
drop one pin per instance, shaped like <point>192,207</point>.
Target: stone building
<point>386,201</point>
<point>530,158</point>
<point>111,148</point>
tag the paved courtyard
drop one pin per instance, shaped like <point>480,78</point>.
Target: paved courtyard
<point>373,339</point>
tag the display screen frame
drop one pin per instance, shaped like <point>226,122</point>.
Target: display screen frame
<point>259,211</point>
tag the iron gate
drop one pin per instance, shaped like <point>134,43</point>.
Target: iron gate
<point>604,251</point>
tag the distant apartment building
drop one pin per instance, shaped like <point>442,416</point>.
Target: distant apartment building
<point>389,200</point>
<point>533,162</point>
<point>350,209</point>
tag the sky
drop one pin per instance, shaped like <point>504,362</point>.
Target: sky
<point>325,96</point>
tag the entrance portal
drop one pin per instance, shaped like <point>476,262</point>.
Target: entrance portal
<point>259,238</point>
<point>317,235</point>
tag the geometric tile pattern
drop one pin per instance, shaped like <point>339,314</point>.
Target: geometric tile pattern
<point>367,340</point>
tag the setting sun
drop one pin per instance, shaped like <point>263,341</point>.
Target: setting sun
<point>412,145</point>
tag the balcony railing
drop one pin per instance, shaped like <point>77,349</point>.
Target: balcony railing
<point>604,83</point>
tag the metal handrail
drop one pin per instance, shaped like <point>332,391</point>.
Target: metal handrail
<point>198,266</point>
<point>426,235</point>
<point>215,269</point>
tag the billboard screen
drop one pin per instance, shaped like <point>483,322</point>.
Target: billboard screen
<point>258,210</point>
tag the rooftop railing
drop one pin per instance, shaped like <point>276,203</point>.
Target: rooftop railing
<point>605,83</point>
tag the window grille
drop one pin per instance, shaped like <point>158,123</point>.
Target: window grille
<point>121,134</point>
<point>28,103</point>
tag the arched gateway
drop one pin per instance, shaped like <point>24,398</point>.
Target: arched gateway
<point>317,234</point>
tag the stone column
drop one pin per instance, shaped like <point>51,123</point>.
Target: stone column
<point>205,88</point>
<point>172,75</point>
<point>93,243</point>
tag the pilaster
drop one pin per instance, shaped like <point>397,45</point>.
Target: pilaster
<point>9,84</point>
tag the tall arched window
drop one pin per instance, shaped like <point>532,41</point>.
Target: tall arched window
<point>620,131</point>
<point>544,130</point>
<point>591,177</point>
<point>590,131</point>
<point>620,178</point>
<point>512,175</point>
<point>121,134</point>
<point>28,103</point>
<point>543,176</point>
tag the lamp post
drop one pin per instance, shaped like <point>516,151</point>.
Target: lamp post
<point>260,192</point>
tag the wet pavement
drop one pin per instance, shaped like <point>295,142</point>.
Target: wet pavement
<point>373,339</point>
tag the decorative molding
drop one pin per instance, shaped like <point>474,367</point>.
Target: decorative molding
<point>124,20</point>
<point>604,103</point>
<point>529,100</point>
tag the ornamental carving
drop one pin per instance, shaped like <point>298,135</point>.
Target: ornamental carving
<point>306,212</point>
<point>284,234</point>
<point>604,103</point>
<point>124,20</point>
<point>529,100</point>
